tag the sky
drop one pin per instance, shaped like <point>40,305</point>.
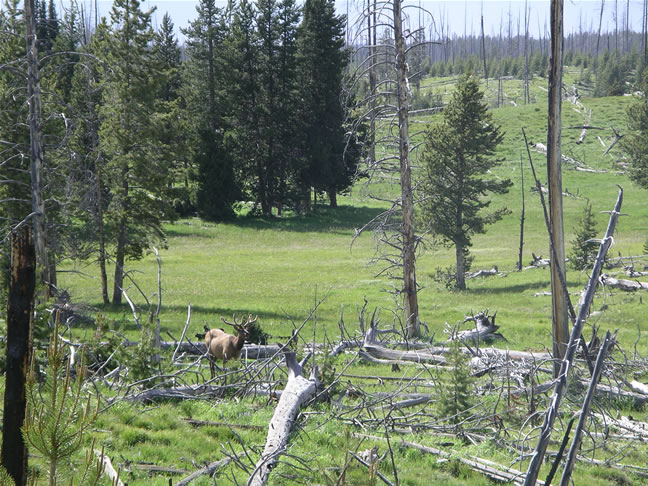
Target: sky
<point>449,13</point>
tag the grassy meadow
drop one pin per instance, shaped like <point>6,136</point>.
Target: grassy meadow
<point>280,268</point>
<point>283,268</point>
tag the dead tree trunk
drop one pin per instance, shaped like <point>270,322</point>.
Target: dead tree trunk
<point>298,391</point>
<point>20,309</point>
<point>36,146</point>
<point>560,320</point>
<point>578,435</point>
<point>561,384</point>
<point>407,198</point>
<point>521,216</point>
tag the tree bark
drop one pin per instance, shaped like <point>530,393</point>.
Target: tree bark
<point>102,237</point>
<point>460,279</point>
<point>407,199</point>
<point>120,252</point>
<point>333,198</point>
<point>36,146</point>
<point>20,309</point>
<point>297,392</point>
<point>560,322</point>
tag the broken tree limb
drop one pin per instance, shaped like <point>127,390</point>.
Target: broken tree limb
<point>108,468</point>
<point>623,284</point>
<point>210,469</point>
<point>617,137</point>
<point>485,329</point>
<point>574,339</point>
<point>375,352</point>
<point>588,117</point>
<point>482,273</point>
<point>298,391</point>
<point>184,332</point>
<point>491,469</point>
<point>578,435</point>
<point>372,466</point>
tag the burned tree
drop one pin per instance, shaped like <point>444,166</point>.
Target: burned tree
<point>385,105</point>
<point>20,310</point>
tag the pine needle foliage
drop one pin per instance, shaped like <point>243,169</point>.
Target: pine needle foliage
<point>459,153</point>
<point>5,478</point>
<point>59,413</point>
<point>456,386</point>
<point>584,250</point>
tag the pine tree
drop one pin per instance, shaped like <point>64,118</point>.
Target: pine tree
<point>635,143</point>
<point>455,396</point>
<point>322,61</point>
<point>171,118</point>
<point>217,187</point>
<point>459,151</point>
<point>135,175</point>
<point>241,51</point>
<point>584,251</point>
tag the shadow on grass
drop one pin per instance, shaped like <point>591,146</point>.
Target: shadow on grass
<point>507,289</point>
<point>200,315</point>
<point>323,219</point>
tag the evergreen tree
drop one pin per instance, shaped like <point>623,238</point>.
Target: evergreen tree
<point>242,76</point>
<point>459,152</point>
<point>584,250</point>
<point>322,60</point>
<point>217,188</point>
<point>134,172</point>
<point>171,118</point>
<point>456,385</point>
<point>15,168</point>
<point>635,143</point>
<point>288,120</point>
<point>90,196</point>
<point>268,35</point>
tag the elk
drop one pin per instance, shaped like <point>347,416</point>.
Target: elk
<point>221,345</point>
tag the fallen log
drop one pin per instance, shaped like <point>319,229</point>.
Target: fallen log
<point>210,469</point>
<point>204,423</point>
<point>485,329</point>
<point>298,391</point>
<point>482,273</point>
<point>433,354</point>
<point>588,117</point>
<point>623,284</point>
<point>180,392</point>
<point>154,468</point>
<point>497,472</point>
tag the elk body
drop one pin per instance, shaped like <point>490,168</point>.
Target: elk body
<point>224,346</point>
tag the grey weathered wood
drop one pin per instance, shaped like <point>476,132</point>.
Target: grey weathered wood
<point>36,148</point>
<point>491,469</point>
<point>623,284</point>
<point>561,383</point>
<point>560,320</point>
<point>108,468</point>
<point>209,470</point>
<point>578,434</point>
<point>298,391</point>
<point>410,296</point>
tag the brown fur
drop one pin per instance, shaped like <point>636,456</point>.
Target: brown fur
<point>224,346</point>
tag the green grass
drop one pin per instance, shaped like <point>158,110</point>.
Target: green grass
<point>281,268</point>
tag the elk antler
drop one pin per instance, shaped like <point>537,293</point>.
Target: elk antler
<point>239,324</point>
